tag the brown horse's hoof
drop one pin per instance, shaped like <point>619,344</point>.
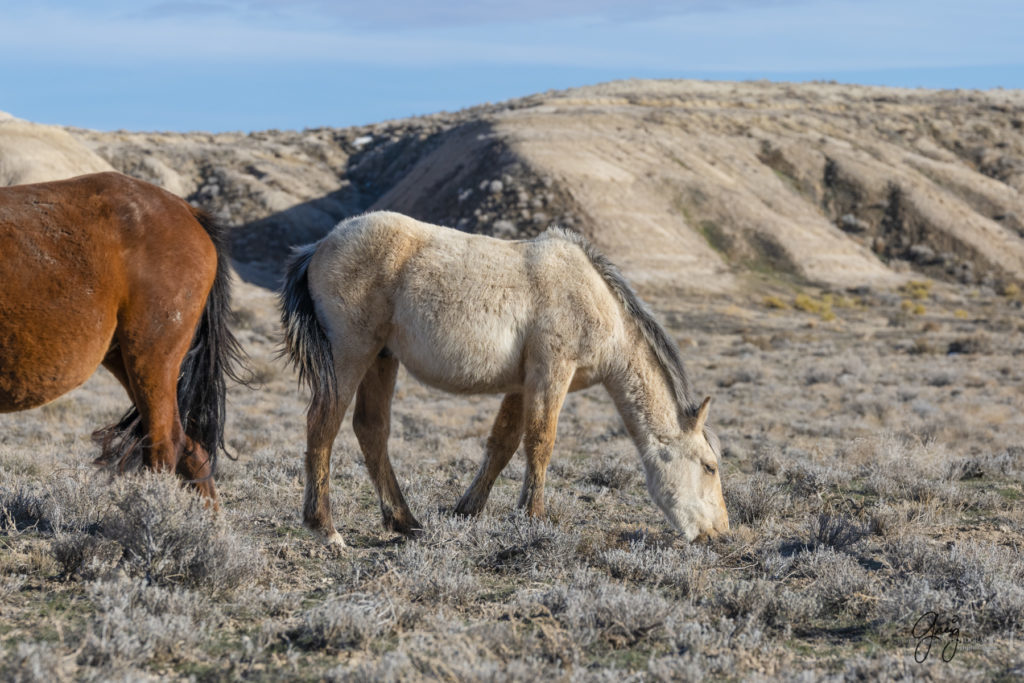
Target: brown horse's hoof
<point>467,507</point>
<point>407,527</point>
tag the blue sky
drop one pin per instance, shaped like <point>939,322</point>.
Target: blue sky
<point>254,64</point>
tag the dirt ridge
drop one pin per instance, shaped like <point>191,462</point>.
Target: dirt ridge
<point>688,185</point>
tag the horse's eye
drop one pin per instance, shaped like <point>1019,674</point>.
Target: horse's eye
<point>710,469</point>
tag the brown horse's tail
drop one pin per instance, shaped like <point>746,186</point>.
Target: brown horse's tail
<point>305,342</point>
<point>215,356</point>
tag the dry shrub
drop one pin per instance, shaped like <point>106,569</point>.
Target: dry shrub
<point>452,651</point>
<point>159,531</point>
<point>971,344</point>
<point>807,480</point>
<point>980,583</point>
<point>612,476</point>
<point>684,572</point>
<point>138,622</point>
<point>834,531</point>
<point>838,582</point>
<point>892,520</point>
<point>345,622</point>
<point>38,662</point>
<point>21,508</point>
<point>431,574</point>
<point>760,603</point>
<point>596,611</point>
<point>521,544</point>
<point>754,500</point>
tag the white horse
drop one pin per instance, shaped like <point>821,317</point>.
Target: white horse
<point>532,319</point>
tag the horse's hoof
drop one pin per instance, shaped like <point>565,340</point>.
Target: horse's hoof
<point>466,509</point>
<point>334,540</point>
<point>410,528</point>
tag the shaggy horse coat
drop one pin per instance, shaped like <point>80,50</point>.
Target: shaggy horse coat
<point>532,319</point>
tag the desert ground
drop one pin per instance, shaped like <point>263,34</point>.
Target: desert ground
<point>873,455</point>
<point>872,469</point>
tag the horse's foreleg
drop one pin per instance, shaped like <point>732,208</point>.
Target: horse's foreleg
<point>506,434</point>
<point>542,402</point>
<point>372,424</point>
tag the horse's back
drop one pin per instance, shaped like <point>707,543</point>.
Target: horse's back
<point>74,256</point>
<point>463,312</point>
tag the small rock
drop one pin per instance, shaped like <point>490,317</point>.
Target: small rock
<point>922,254</point>
<point>851,223</point>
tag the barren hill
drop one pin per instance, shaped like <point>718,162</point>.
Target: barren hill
<point>686,184</point>
<point>30,153</point>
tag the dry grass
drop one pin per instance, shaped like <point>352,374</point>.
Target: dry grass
<point>869,484</point>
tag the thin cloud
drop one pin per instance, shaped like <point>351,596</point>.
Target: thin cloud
<point>787,35</point>
<point>167,10</point>
<point>404,14</point>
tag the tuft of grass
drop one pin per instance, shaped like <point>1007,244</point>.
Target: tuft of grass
<point>1010,290</point>
<point>912,307</point>
<point>834,531</point>
<point>773,301</point>
<point>917,289</point>
<point>821,307</point>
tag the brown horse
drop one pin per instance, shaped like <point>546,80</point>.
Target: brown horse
<point>106,269</point>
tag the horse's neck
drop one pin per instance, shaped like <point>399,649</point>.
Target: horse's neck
<point>643,396</point>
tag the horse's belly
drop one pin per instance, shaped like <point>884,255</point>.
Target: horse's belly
<point>38,368</point>
<point>484,359</point>
<point>26,388</point>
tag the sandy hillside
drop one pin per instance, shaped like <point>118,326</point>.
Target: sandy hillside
<point>686,184</point>
<point>32,153</point>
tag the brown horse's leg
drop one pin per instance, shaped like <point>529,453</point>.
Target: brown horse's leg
<point>114,363</point>
<point>194,466</point>
<point>372,424</point>
<point>505,436</point>
<point>541,404</point>
<point>154,388</point>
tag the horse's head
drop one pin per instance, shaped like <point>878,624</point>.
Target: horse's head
<point>684,480</point>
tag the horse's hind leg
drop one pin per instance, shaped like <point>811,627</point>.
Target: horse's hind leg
<point>542,401</point>
<point>322,424</point>
<point>505,436</point>
<point>150,367</point>
<point>372,424</point>
<point>193,465</point>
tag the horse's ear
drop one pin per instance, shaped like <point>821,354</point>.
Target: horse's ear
<point>702,416</point>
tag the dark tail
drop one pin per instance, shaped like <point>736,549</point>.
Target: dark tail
<point>215,356</point>
<point>305,341</point>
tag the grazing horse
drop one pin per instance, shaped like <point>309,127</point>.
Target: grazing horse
<point>106,269</point>
<point>532,319</point>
